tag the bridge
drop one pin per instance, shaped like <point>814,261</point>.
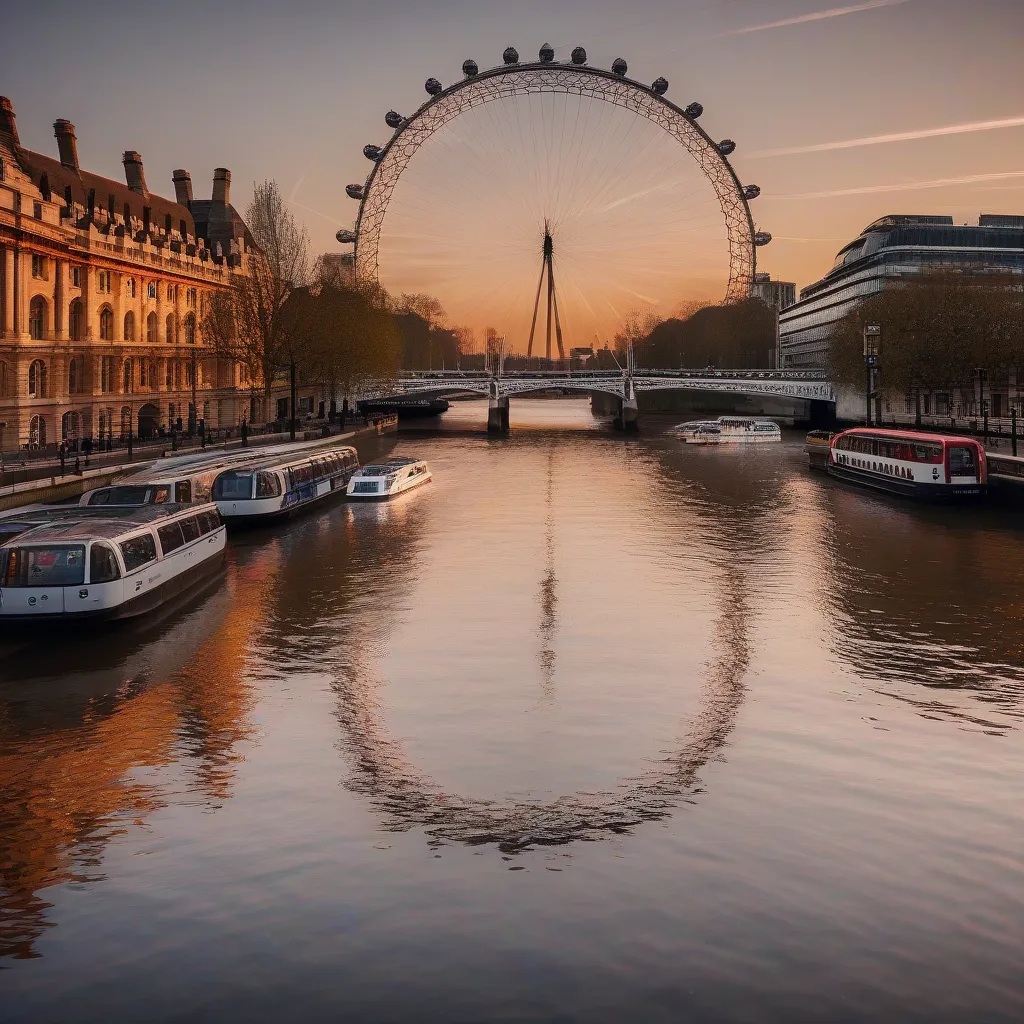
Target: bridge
<point>622,385</point>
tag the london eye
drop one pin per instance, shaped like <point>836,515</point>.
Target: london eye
<point>616,197</point>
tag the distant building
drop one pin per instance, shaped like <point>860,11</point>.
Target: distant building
<point>777,294</point>
<point>890,248</point>
<point>103,288</point>
<point>339,269</point>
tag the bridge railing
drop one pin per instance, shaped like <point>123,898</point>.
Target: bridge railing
<point>705,374</point>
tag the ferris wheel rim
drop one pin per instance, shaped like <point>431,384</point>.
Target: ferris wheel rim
<point>743,239</point>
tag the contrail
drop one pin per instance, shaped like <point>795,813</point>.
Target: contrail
<point>878,140</point>
<point>834,12</point>
<point>907,186</point>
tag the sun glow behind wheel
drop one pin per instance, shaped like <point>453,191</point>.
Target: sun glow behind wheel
<point>635,222</point>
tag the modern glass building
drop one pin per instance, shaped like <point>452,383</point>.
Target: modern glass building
<point>892,247</point>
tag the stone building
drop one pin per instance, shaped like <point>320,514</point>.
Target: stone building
<point>103,287</point>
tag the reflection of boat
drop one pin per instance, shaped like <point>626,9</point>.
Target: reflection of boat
<point>384,480</point>
<point>729,430</point>
<point>929,467</point>
<point>114,567</point>
<point>816,447</point>
<point>279,486</point>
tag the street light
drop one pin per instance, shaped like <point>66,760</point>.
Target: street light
<point>872,344</point>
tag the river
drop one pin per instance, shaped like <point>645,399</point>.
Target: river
<point>592,728</point>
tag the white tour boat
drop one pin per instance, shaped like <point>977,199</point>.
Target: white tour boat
<point>277,487</point>
<point>110,566</point>
<point>384,480</point>
<point>729,430</point>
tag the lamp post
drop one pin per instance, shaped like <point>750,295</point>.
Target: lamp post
<point>872,344</point>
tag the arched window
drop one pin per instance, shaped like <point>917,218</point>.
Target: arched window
<point>76,375</point>
<point>151,328</point>
<point>37,379</point>
<point>126,420</point>
<point>130,287</point>
<point>129,326</point>
<point>76,320</point>
<point>37,432</point>
<point>170,328</point>
<point>107,324</point>
<point>152,289</point>
<point>3,379</point>
<point>36,317</point>
<point>127,377</point>
<point>190,330</point>
<point>71,426</point>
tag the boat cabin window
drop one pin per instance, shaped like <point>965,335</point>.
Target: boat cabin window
<point>171,537</point>
<point>49,566</point>
<point>102,564</point>
<point>961,462</point>
<point>267,485</point>
<point>190,528</point>
<point>301,474</point>
<point>122,496</point>
<point>209,521</point>
<point>137,551</point>
<point>232,485</point>
<point>184,489</point>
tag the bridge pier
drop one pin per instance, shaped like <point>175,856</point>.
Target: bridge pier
<point>627,415</point>
<point>497,415</point>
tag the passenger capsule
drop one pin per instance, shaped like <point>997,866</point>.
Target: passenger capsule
<point>762,238</point>
<point>345,236</point>
<point>693,111</point>
<point>354,191</point>
<point>579,55</point>
<point>470,68</point>
<point>371,152</point>
<point>660,86</point>
<point>547,53</point>
<point>393,119</point>
<point>726,146</point>
<point>511,55</point>
<point>619,66</point>
<point>433,86</point>
<point>751,191</point>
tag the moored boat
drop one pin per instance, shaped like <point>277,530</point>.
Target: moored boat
<point>277,487</point>
<point>114,566</point>
<point>928,467</point>
<point>729,430</point>
<point>384,480</point>
<point>817,445</point>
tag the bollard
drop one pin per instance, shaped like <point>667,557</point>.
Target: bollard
<point>1013,430</point>
<point>78,466</point>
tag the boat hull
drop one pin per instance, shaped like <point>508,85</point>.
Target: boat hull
<point>387,496</point>
<point>915,490</point>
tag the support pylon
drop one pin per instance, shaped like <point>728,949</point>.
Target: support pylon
<point>547,267</point>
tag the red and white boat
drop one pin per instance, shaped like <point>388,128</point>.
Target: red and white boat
<point>928,467</point>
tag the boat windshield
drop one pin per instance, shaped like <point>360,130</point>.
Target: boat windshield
<point>961,461</point>
<point>54,565</point>
<point>126,495</point>
<point>233,485</point>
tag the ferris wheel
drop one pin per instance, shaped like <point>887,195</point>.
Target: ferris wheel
<point>579,173</point>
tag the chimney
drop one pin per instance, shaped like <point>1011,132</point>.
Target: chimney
<point>182,187</point>
<point>133,172</point>
<point>7,125</point>
<point>221,186</point>
<point>66,145</point>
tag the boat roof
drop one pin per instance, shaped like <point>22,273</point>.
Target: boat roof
<point>281,461</point>
<point>396,463</point>
<point>907,435</point>
<point>83,525</point>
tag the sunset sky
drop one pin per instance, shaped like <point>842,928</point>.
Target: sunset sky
<point>842,112</point>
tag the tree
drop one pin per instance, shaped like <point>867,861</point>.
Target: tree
<point>248,322</point>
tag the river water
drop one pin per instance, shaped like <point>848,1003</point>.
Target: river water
<point>592,728</point>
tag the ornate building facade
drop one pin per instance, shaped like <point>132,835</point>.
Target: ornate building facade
<point>103,287</point>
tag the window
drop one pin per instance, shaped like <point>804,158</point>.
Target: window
<point>110,207</point>
<point>170,329</point>
<point>177,376</point>
<point>107,374</point>
<point>76,277</point>
<point>37,432</point>
<point>127,377</point>
<point>37,379</point>
<point>3,379</point>
<point>190,528</point>
<point>36,317</point>
<point>17,202</point>
<point>129,326</point>
<point>76,319</point>
<point>232,485</point>
<point>130,287</point>
<point>103,281</point>
<point>120,496</point>
<point>152,289</point>
<point>170,293</point>
<point>137,551</point>
<point>182,229</point>
<point>190,297</point>
<point>151,328</point>
<point>126,420</point>
<point>167,223</point>
<point>184,490</point>
<point>37,210</point>
<point>190,330</point>
<point>102,564</point>
<point>107,324</point>
<point>169,382</point>
<point>126,213</point>
<point>942,405</point>
<point>267,485</point>
<point>76,375</point>
<point>51,566</point>
<point>38,266</point>
<point>143,374</point>
<point>171,537</point>
<point>926,404</point>
<point>210,521</point>
<point>68,198</point>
